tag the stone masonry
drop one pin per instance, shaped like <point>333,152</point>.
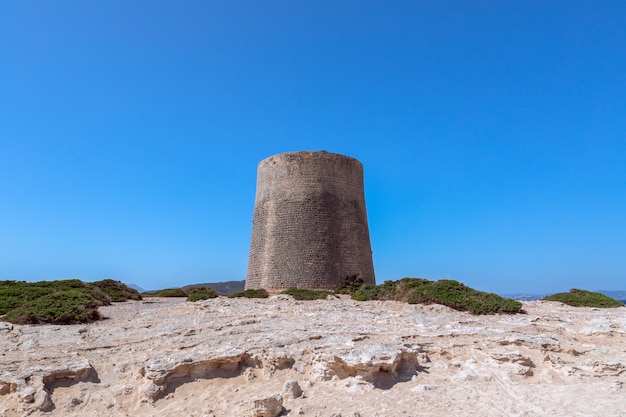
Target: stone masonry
<point>309,226</point>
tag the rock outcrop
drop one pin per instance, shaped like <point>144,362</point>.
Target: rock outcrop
<point>278,356</point>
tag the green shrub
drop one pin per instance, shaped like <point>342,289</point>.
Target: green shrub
<point>384,291</point>
<point>582,298</point>
<point>15,295</point>
<point>446,292</point>
<point>116,290</point>
<point>170,292</point>
<point>60,285</point>
<point>60,302</point>
<point>201,293</point>
<point>61,307</point>
<point>250,294</point>
<point>349,285</point>
<point>302,294</point>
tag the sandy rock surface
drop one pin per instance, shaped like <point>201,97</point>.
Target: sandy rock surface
<point>325,358</point>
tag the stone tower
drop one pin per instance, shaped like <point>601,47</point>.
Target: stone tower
<point>309,228</point>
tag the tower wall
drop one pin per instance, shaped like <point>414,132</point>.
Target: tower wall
<point>309,226</point>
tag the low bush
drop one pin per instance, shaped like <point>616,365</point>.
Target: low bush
<point>170,292</point>
<point>61,307</point>
<point>116,290</point>
<point>250,294</point>
<point>384,291</point>
<point>301,294</point>
<point>59,302</point>
<point>349,285</point>
<point>582,298</point>
<point>446,292</point>
<point>17,294</point>
<point>201,293</point>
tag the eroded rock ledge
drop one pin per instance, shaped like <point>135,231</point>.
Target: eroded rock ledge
<point>227,357</point>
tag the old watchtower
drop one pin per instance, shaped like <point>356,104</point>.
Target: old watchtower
<point>309,228</point>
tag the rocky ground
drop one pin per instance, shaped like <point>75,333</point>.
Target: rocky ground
<point>241,357</point>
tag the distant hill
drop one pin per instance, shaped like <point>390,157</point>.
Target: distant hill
<point>524,297</point>
<point>136,287</point>
<point>617,294</point>
<point>224,288</point>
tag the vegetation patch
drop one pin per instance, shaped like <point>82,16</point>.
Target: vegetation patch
<point>59,302</point>
<point>116,290</point>
<point>582,298</point>
<point>250,294</point>
<point>170,292</point>
<point>349,285</point>
<point>201,293</point>
<point>222,288</point>
<point>446,292</point>
<point>301,294</point>
<point>384,291</point>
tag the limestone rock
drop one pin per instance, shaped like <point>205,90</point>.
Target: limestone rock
<point>169,358</point>
<point>380,365</point>
<point>271,406</point>
<point>291,389</point>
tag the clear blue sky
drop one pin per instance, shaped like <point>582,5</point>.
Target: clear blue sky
<point>492,134</point>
